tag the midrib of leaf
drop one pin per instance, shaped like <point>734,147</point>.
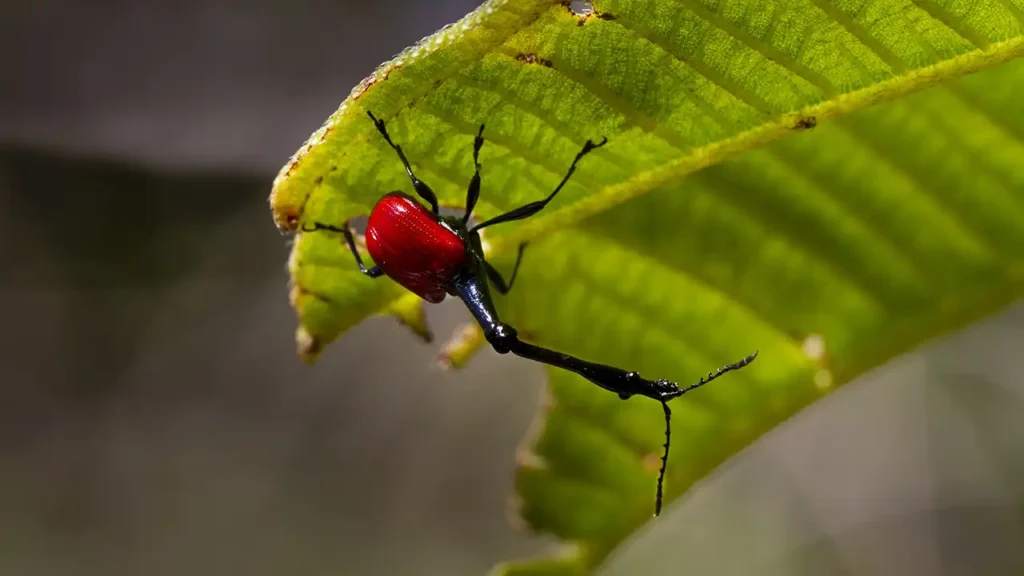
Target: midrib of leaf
<point>609,196</point>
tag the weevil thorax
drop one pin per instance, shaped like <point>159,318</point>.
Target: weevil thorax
<point>413,247</point>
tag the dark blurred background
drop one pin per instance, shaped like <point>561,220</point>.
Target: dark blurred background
<point>155,420</point>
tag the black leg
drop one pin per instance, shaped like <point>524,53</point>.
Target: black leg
<point>344,230</point>
<point>533,207</point>
<point>421,188</point>
<point>495,276</point>
<point>664,458</point>
<point>473,193</point>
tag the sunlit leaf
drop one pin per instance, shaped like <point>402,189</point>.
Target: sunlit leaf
<point>817,180</point>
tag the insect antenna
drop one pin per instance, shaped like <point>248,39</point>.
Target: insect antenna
<point>711,376</point>
<point>668,418</point>
<point>664,457</point>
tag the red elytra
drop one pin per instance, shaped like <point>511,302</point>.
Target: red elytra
<point>408,243</point>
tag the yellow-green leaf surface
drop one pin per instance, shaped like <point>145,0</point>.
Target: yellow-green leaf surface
<point>825,181</point>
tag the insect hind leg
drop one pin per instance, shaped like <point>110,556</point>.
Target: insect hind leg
<point>499,283</point>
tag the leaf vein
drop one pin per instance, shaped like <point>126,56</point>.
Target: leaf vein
<point>952,22</point>
<point>811,250</point>
<point>629,113</point>
<point>849,209</point>
<point>1014,10</point>
<point>770,52</point>
<point>912,177</point>
<point>953,138</point>
<point>538,112</point>
<point>720,80</point>
<point>694,275</point>
<point>660,322</point>
<point>512,145</point>
<point>1011,129</point>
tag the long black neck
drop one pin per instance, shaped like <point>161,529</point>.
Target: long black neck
<point>471,287</point>
<point>473,290</point>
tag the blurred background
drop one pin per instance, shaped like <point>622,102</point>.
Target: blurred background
<point>154,418</point>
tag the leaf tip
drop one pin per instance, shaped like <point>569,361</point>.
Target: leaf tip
<point>285,214</point>
<point>309,347</point>
<point>467,340</point>
<point>409,311</point>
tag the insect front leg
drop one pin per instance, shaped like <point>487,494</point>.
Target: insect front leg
<point>374,272</point>
<point>421,187</point>
<point>473,192</point>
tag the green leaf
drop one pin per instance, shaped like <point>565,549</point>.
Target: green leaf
<point>714,223</point>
